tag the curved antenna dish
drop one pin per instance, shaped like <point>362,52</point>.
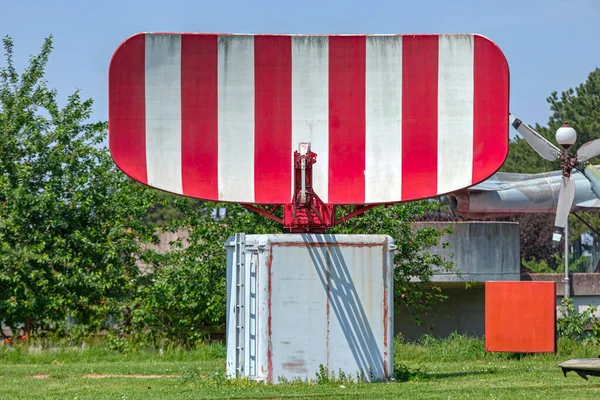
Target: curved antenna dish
<point>389,118</point>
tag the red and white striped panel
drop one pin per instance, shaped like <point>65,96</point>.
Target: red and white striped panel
<point>391,117</point>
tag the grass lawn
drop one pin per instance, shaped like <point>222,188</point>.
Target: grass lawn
<point>457,368</point>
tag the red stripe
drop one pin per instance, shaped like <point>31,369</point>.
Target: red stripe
<point>272,119</point>
<point>199,116</point>
<point>419,116</point>
<point>490,111</point>
<point>347,75</point>
<point>127,108</point>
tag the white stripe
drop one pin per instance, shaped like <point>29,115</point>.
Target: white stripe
<point>455,112</point>
<point>163,111</point>
<point>310,104</point>
<point>236,118</point>
<point>383,164</point>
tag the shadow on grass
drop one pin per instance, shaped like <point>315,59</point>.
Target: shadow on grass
<point>404,374</point>
<point>437,375</point>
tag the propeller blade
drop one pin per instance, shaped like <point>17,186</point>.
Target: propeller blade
<point>543,147</point>
<point>593,175</point>
<point>589,150</point>
<point>566,195</point>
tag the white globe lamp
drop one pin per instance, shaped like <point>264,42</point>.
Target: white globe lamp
<point>566,135</point>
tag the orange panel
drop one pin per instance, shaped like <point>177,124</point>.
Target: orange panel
<point>520,317</point>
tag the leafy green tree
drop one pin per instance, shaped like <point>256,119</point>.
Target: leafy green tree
<point>71,227</point>
<point>580,107</point>
<point>165,211</point>
<point>185,290</point>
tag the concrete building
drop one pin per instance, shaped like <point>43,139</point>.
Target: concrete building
<point>585,288</point>
<point>483,251</point>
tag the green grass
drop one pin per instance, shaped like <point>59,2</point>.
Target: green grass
<point>456,368</point>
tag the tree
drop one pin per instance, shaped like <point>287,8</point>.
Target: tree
<point>165,210</point>
<point>536,239</point>
<point>185,289</point>
<point>71,227</point>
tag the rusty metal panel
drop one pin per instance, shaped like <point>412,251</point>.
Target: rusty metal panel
<point>299,302</point>
<point>520,317</point>
<point>320,300</point>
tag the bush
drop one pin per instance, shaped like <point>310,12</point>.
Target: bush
<point>574,325</point>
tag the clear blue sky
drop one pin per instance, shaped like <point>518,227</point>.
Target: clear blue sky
<point>550,44</point>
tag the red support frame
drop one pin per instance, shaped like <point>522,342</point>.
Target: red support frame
<point>263,210</point>
<point>307,212</point>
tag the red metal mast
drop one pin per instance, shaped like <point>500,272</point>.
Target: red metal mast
<point>307,212</point>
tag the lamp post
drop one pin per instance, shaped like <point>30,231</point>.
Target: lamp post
<point>566,137</point>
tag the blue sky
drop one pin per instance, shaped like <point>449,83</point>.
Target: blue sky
<point>550,45</point>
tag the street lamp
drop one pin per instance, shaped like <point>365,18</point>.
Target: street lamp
<point>566,137</point>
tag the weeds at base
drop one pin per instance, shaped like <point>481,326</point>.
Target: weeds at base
<point>402,373</point>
